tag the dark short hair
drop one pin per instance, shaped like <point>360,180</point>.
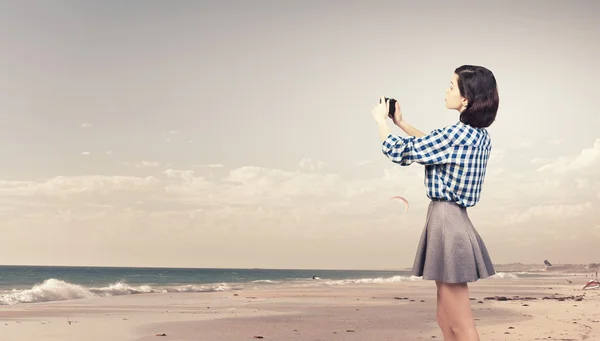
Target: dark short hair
<point>478,85</point>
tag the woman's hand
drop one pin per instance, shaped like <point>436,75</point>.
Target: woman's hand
<point>381,110</point>
<point>397,115</point>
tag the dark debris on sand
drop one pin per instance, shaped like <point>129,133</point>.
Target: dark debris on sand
<point>553,297</point>
<point>514,298</point>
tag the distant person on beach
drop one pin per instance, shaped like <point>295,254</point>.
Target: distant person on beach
<point>450,250</point>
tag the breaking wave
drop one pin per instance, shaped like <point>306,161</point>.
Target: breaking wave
<point>504,275</point>
<point>267,281</point>
<point>393,279</point>
<point>58,290</point>
<point>397,279</point>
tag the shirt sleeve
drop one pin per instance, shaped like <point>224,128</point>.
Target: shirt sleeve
<point>432,149</point>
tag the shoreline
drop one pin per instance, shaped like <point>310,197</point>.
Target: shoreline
<point>374,311</point>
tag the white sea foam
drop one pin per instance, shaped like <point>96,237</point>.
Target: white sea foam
<point>58,290</point>
<point>504,275</point>
<point>50,290</point>
<point>396,279</point>
<point>268,281</point>
<point>393,279</point>
<point>537,273</point>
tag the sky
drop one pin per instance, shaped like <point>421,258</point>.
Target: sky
<point>240,134</point>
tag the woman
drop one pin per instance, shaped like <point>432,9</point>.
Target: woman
<point>450,250</point>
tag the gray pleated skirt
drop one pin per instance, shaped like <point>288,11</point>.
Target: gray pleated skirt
<point>450,249</point>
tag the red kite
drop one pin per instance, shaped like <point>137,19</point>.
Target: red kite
<point>405,202</point>
<point>591,284</point>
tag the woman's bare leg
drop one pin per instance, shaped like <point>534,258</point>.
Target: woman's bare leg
<point>457,305</point>
<point>442,319</point>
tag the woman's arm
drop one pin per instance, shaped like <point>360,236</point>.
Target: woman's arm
<point>435,148</point>
<point>384,130</point>
<point>410,130</point>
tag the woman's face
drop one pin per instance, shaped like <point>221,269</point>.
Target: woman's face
<point>453,98</point>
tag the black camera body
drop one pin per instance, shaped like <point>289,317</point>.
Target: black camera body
<point>392,107</point>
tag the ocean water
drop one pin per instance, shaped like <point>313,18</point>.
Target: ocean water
<point>30,284</point>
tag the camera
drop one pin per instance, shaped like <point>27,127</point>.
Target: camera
<point>392,107</point>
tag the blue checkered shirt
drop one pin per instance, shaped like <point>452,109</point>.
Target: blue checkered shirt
<point>455,159</point>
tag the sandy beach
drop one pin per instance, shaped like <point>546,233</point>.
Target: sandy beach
<point>383,311</point>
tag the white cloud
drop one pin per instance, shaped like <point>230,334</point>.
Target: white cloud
<point>169,135</point>
<point>143,164</point>
<point>108,152</point>
<point>552,212</point>
<point>86,125</point>
<point>190,187</point>
<point>150,164</point>
<point>311,165</point>
<point>522,197</point>
<point>86,153</point>
<point>64,185</point>
<point>212,165</point>
<point>288,207</point>
<point>538,160</point>
<point>589,158</point>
